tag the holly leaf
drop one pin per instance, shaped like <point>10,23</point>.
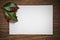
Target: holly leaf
<point>11,15</point>
<point>9,6</point>
<point>6,14</point>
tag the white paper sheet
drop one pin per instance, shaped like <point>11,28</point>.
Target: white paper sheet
<point>33,19</point>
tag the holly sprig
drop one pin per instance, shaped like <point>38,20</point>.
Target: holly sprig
<point>10,10</point>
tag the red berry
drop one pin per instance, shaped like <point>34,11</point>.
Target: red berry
<point>15,9</point>
<point>7,19</point>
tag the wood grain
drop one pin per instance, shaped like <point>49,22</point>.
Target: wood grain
<point>4,26</point>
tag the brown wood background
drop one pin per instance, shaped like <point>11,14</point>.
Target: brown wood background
<point>4,27</point>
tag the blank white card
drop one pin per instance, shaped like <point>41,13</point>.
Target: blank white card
<point>33,19</point>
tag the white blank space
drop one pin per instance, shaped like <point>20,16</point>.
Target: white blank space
<point>33,19</point>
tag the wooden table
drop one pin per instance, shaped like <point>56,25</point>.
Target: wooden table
<point>4,26</point>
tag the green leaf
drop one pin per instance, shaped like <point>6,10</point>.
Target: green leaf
<point>9,6</point>
<point>6,14</point>
<point>13,16</point>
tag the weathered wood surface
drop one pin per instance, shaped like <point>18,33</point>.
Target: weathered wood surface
<point>4,27</point>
